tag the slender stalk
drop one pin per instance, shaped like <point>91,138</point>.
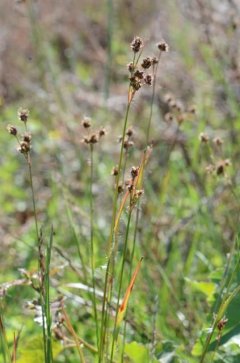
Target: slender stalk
<point>108,67</point>
<point>76,238</point>
<point>92,244</point>
<point>33,196</point>
<point>130,272</point>
<point>124,166</point>
<point>39,242</point>
<point>118,178</point>
<point>108,283</point>
<point>110,242</point>
<point>14,353</point>
<point>120,281</point>
<point>47,300</point>
<point>86,345</point>
<point>155,69</point>
<point>3,341</point>
<point>39,239</point>
<point>78,343</point>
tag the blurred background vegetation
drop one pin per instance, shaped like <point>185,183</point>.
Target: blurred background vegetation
<point>64,60</point>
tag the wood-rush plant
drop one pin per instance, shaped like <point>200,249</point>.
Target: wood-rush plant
<point>44,259</point>
<point>138,77</point>
<point>91,139</point>
<point>127,196</point>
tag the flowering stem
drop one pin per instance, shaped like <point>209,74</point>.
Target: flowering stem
<point>92,243</point>
<point>121,280</point>
<point>155,69</point>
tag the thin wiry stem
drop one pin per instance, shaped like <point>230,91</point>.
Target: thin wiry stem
<point>110,248</point>
<point>3,340</point>
<point>109,47</point>
<point>39,242</point>
<point>155,69</point>
<point>109,275</point>
<point>39,239</point>
<point>130,271</point>
<point>47,299</point>
<point>78,344</point>
<point>121,280</point>
<point>92,243</point>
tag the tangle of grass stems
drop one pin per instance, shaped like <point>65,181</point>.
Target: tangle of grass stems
<point>155,69</point>
<point>110,248</point>
<point>115,333</point>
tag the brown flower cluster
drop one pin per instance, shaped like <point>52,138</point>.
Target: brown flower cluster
<point>177,111</point>
<point>131,184</point>
<point>218,164</point>
<point>94,137</point>
<point>219,167</point>
<point>128,141</point>
<point>138,74</point>
<point>25,140</point>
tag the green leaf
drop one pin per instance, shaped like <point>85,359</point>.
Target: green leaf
<point>205,287</point>
<point>137,353</point>
<point>32,351</point>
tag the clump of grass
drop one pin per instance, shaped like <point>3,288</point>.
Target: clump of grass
<point>138,77</point>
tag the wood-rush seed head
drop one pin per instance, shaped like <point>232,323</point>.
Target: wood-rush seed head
<point>146,63</point>
<point>138,74</point>
<point>129,132</point>
<point>27,138</point>
<point>154,60</point>
<point>102,132</point>
<point>131,67</point>
<point>24,147</point>
<point>136,44</point>
<point>12,130</point>
<point>221,165</point>
<point>23,114</point>
<point>86,140</point>
<point>93,139</point>
<point>203,137</point>
<point>86,122</point>
<point>148,79</point>
<point>115,171</point>
<point>120,189</point>
<point>134,172</point>
<point>218,141</point>
<point>163,46</point>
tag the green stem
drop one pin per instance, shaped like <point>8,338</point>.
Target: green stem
<point>92,244</point>
<point>47,300</point>
<point>130,272</point>
<point>28,157</point>
<point>155,69</point>
<point>120,281</point>
<point>109,47</point>
<point>110,248</point>
<point>3,340</point>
